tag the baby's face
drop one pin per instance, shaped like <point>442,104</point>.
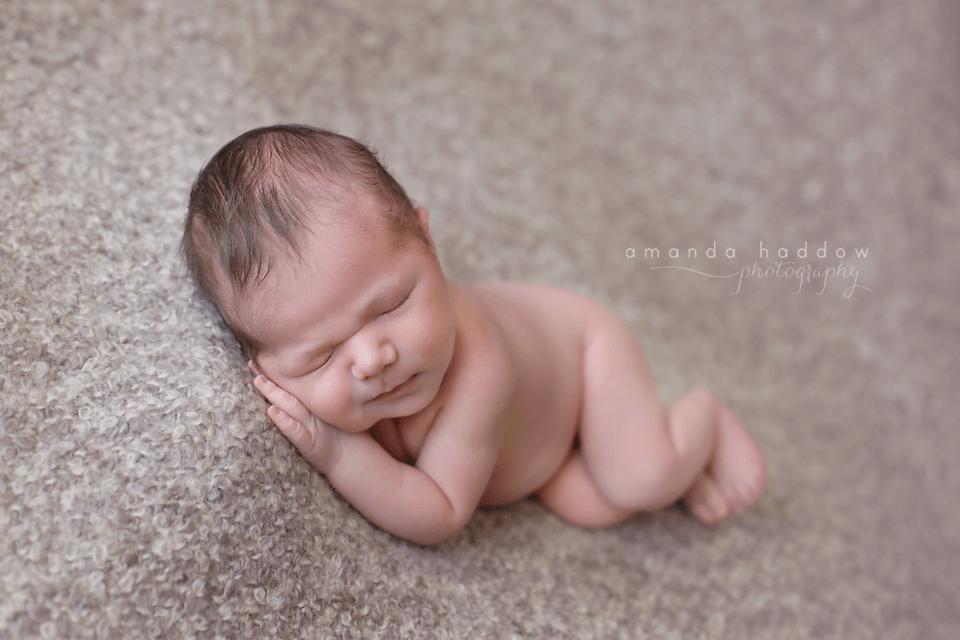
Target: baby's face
<point>361,329</point>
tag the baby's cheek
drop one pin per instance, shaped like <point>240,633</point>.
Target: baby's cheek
<point>442,336</point>
<point>429,329</point>
<point>325,403</point>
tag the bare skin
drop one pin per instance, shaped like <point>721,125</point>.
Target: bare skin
<point>421,399</point>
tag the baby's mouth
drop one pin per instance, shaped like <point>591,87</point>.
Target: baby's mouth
<point>398,390</point>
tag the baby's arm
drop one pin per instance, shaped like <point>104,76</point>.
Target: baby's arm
<point>424,504</point>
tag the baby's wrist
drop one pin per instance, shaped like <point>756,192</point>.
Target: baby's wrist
<point>334,445</point>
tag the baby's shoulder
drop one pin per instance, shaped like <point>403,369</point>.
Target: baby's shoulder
<point>542,325</point>
<point>482,348</point>
<point>543,304</point>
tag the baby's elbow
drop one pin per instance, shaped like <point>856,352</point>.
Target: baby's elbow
<point>425,519</point>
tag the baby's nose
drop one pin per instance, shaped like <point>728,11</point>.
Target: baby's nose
<point>373,359</point>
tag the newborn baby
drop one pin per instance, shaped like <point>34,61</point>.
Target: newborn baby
<point>421,399</point>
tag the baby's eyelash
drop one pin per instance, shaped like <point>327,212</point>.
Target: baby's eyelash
<point>315,367</point>
<point>398,305</point>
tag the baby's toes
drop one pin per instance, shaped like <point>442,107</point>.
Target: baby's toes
<point>748,487</point>
<point>706,502</point>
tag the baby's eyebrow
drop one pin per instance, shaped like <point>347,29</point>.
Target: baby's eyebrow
<point>384,298</point>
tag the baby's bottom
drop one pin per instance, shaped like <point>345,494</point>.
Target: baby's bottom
<point>635,455</point>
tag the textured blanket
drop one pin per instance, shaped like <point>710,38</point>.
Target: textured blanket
<point>767,193</point>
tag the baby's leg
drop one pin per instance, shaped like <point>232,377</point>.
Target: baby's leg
<point>641,456</point>
<point>573,495</point>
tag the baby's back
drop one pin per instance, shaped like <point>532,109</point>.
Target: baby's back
<point>544,330</point>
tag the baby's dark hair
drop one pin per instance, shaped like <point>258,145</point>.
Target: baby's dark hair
<point>254,196</point>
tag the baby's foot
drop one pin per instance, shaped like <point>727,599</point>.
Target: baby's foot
<point>706,501</point>
<point>737,465</point>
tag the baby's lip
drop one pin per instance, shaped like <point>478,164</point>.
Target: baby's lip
<point>398,390</point>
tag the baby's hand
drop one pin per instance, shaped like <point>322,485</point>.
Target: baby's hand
<point>314,438</point>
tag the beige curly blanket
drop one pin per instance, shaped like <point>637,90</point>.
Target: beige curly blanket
<point>814,147</point>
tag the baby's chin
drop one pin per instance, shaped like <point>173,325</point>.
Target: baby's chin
<point>406,407</point>
<point>402,408</point>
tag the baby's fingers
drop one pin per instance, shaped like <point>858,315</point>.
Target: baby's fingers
<point>283,400</point>
<point>299,436</point>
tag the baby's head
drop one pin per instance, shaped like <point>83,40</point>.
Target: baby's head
<point>256,200</point>
<point>324,270</point>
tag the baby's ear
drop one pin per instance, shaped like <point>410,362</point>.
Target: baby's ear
<point>424,216</point>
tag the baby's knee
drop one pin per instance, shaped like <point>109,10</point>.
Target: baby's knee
<point>646,485</point>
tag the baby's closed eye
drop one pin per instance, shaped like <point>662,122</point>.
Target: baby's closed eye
<point>396,306</point>
<point>324,360</point>
<point>315,361</point>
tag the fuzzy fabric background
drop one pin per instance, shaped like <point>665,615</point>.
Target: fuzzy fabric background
<point>143,495</point>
